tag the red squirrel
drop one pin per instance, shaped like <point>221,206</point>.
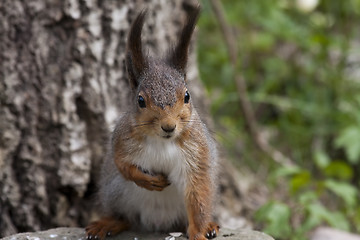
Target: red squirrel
<point>161,166</point>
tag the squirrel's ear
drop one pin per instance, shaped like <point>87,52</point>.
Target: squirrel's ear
<point>135,62</point>
<point>179,55</point>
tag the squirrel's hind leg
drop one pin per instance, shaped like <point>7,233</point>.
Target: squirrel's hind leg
<point>107,226</point>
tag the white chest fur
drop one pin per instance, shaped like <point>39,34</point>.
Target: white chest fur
<point>163,156</point>
<point>158,210</point>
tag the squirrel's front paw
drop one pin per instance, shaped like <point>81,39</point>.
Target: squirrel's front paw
<point>152,182</point>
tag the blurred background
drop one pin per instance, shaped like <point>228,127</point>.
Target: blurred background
<point>300,61</point>
<point>280,84</point>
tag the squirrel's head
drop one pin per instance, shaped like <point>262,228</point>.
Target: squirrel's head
<point>161,99</point>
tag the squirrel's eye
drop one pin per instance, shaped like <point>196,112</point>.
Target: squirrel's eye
<point>141,102</point>
<point>187,97</point>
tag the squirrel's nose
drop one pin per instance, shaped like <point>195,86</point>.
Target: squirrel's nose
<point>168,129</point>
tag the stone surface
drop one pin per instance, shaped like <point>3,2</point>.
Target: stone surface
<point>79,233</point>
<point>326,233</point>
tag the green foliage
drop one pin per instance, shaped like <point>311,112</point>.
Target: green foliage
<point>277,216</point>
<point>306,192</point>
<point>338,169</point>
<point>349,140</point>
<point>301,67</point>
<point>345,191</point>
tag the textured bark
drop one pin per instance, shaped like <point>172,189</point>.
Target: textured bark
<point>62,85</point>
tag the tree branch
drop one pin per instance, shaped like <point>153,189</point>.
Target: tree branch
<point>250,119</point>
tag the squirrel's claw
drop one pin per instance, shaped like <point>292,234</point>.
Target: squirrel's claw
<point>212,230</point>
<point>105,227</point>
<point>211,234</point>
<point>94,231</point>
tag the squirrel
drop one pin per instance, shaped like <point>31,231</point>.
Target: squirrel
<point>160,170</point>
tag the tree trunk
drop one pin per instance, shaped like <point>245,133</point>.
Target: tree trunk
<point>62,85</point>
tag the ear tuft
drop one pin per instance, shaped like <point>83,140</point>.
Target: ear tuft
<point>178,56</point>
<point>135,61</point>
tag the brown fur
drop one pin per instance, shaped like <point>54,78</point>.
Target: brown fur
<point>169,116</point>
<point>133,173</point>
<point>165,115</point>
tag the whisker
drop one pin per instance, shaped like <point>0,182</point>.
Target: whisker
<point>188,121</point>
<point>143,124</point>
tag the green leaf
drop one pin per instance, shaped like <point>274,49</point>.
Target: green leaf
<point>286,171</point>
<point>276,216</point>
<point>343,190</point>
<point>338,220</point>
<point>321,159</point>
<point>300,181</point>
<point>340,170</point>
<point>307,198</point>
<point>349,139</point>
<point>318,214</point>
<point>356,219</point>
<point>314,218</point>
